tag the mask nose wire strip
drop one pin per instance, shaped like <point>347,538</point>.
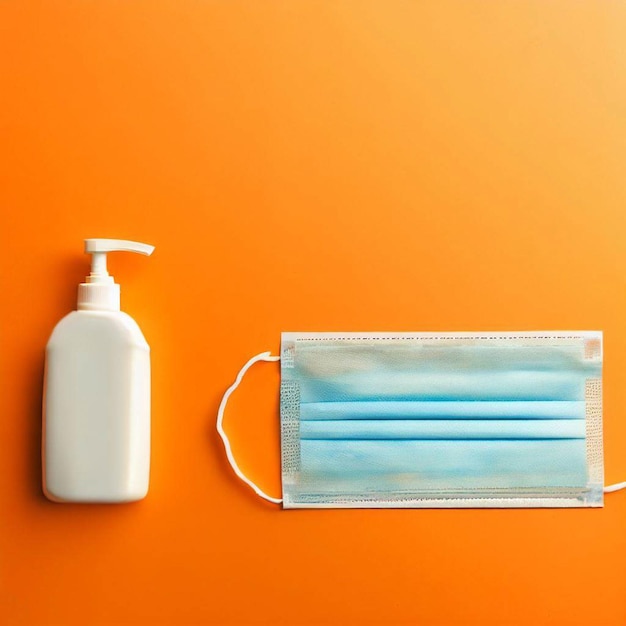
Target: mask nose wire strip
<point>264,356</point>
<point>615,487</point>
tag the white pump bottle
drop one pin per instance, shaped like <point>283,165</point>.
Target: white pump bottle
<point>96,407</point>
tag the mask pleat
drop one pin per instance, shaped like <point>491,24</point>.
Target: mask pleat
<point>378,466</point>
<point>363,410</point>
<point>446,385</point>
<point>358,430</point>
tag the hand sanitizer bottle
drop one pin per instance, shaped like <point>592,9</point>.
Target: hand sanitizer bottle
<point>96,407</point>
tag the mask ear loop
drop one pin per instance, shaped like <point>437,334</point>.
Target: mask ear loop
<point>264,356</point>
<point>615,487</point>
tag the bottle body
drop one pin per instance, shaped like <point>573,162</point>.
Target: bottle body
<point>96,408</point>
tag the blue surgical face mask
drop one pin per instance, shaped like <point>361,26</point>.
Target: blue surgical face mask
<point>440,420</point>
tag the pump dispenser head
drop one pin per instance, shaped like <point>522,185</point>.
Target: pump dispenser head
<point>99,292</point>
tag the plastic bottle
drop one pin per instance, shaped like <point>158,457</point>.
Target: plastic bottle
<point>96,407</point>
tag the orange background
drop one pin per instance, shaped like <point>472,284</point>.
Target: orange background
<point>305,165</point>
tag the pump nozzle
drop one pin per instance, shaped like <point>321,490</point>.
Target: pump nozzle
<point>99,291</point>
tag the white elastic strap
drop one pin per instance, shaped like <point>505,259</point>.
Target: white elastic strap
<point>615,487</point>
<point>264,356</point>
